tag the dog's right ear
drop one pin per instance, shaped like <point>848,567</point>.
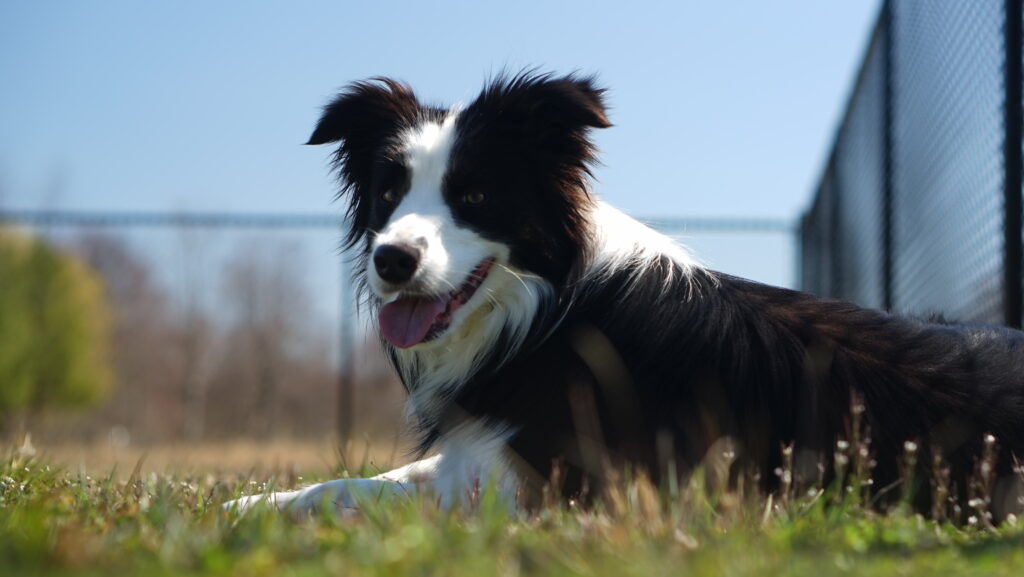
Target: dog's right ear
<point>365,117</point>
<point>366,109</point>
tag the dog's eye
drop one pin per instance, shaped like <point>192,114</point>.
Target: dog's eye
<point>389,196</point>
<point>473,198</point>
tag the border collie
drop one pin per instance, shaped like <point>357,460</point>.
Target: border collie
<point>543,334</point>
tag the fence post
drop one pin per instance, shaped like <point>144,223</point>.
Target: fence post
<point>836,287</point>
<point>888,117</point>
<point>346,359</point>
<point>1013,164</point>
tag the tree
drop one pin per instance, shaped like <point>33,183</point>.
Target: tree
<point>15,324</point>
<point>146,353</point>
<point>54,327</point>
<point>196,330</point>
<point>268,297</point>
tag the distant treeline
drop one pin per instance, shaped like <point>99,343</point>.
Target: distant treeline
<point>92,346</point>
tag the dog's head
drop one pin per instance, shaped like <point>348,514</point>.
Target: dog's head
<point>455,207</point>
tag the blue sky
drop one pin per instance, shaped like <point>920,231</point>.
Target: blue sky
<point>720,108</point>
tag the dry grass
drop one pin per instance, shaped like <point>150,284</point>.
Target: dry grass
<point>310,458</point>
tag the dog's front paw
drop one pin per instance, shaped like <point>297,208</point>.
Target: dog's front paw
<point>340,496</point>
<point>279,500</point>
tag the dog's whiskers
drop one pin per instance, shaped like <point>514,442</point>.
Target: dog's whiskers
<point>520,277</point>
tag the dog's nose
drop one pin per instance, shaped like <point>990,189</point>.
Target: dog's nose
<point>396,263</point>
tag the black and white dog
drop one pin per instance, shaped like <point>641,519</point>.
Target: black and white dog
<point>541,333</point>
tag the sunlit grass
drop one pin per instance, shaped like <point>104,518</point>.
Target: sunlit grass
<point>56,522</point>
<point>225,457</point>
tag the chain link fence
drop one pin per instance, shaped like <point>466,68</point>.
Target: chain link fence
<point>918,208</point>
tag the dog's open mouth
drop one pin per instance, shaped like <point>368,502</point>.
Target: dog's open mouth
<point>413,319</point>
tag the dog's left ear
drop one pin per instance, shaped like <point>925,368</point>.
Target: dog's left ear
<point>567,103</point>
<point>544,121</point>
<point>541,108</point>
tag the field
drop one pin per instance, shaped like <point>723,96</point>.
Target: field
<point>165,520</point>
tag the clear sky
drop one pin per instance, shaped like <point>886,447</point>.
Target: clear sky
<point>720,108</point>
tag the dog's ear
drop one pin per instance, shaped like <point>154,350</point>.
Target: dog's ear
<point>538,128</point>
<point>365,117</point>
<point>544,120</point>
<point>566,103</point>
<point>366,109</point>
<point>541,108</point>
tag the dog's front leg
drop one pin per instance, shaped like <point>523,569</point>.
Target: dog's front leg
<point>345,495</point>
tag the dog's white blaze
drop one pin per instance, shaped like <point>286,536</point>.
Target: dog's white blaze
<point>421,218</point>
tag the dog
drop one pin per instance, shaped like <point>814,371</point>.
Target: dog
<point>545,337</point>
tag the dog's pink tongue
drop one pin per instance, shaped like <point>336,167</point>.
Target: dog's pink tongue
<point>406,321</point>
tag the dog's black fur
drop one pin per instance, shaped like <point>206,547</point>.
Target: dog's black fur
<point>765,366</point>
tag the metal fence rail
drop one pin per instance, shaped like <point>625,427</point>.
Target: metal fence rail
<point>918,208</point>
<point>169,219</point>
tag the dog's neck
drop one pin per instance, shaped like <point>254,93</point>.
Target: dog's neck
<point>519,310</point>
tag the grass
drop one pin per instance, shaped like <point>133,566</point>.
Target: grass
<point>227,457</point>
<point>56,522</point>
